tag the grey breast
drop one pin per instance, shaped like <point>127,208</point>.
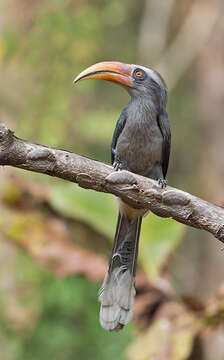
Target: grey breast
<point>139,146</point>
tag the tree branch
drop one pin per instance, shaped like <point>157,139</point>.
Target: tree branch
<point>136,190</point>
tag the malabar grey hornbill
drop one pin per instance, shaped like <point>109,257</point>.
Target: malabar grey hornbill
<point>141,144</point>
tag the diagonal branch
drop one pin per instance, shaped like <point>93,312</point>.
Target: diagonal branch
<point>136,190</point>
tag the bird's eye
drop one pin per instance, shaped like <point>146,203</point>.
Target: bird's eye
<point>139,74</point>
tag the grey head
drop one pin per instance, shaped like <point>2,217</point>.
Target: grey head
<point>147,82</point>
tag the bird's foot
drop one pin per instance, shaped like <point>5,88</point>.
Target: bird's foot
<point>117,164</point>
<point>162,183</point>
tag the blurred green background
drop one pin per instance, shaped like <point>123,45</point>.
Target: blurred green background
<point>48,299</point>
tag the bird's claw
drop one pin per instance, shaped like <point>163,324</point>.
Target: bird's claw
<point>117,165</point>
<point>162,183</point>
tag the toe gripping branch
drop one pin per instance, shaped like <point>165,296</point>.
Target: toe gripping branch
<point>162,183</point>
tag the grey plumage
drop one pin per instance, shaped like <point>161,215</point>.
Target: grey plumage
<point>117,292</point>
<point>141,144</point>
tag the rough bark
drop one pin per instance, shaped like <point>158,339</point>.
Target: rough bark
<point>136,190</point>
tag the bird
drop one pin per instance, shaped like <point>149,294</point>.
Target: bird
<point>140,144</point>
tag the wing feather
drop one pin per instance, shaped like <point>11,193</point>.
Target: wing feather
<point>164,126</point>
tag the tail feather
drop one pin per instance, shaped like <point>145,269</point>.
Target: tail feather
<point>118,289</point>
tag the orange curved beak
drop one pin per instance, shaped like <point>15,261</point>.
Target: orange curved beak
<point>108,70</point>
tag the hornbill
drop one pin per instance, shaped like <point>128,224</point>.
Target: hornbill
<point>140,144</point>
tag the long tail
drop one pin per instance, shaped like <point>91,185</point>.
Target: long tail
<point>118,289</point>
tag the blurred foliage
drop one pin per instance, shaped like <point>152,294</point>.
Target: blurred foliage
<point>159,238</point>
<point>171,335</point>
<point>62,319</point>
<point>43,46</point>
<point>29,221</point>
<point>99,210</point>
<point>65,37</point>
